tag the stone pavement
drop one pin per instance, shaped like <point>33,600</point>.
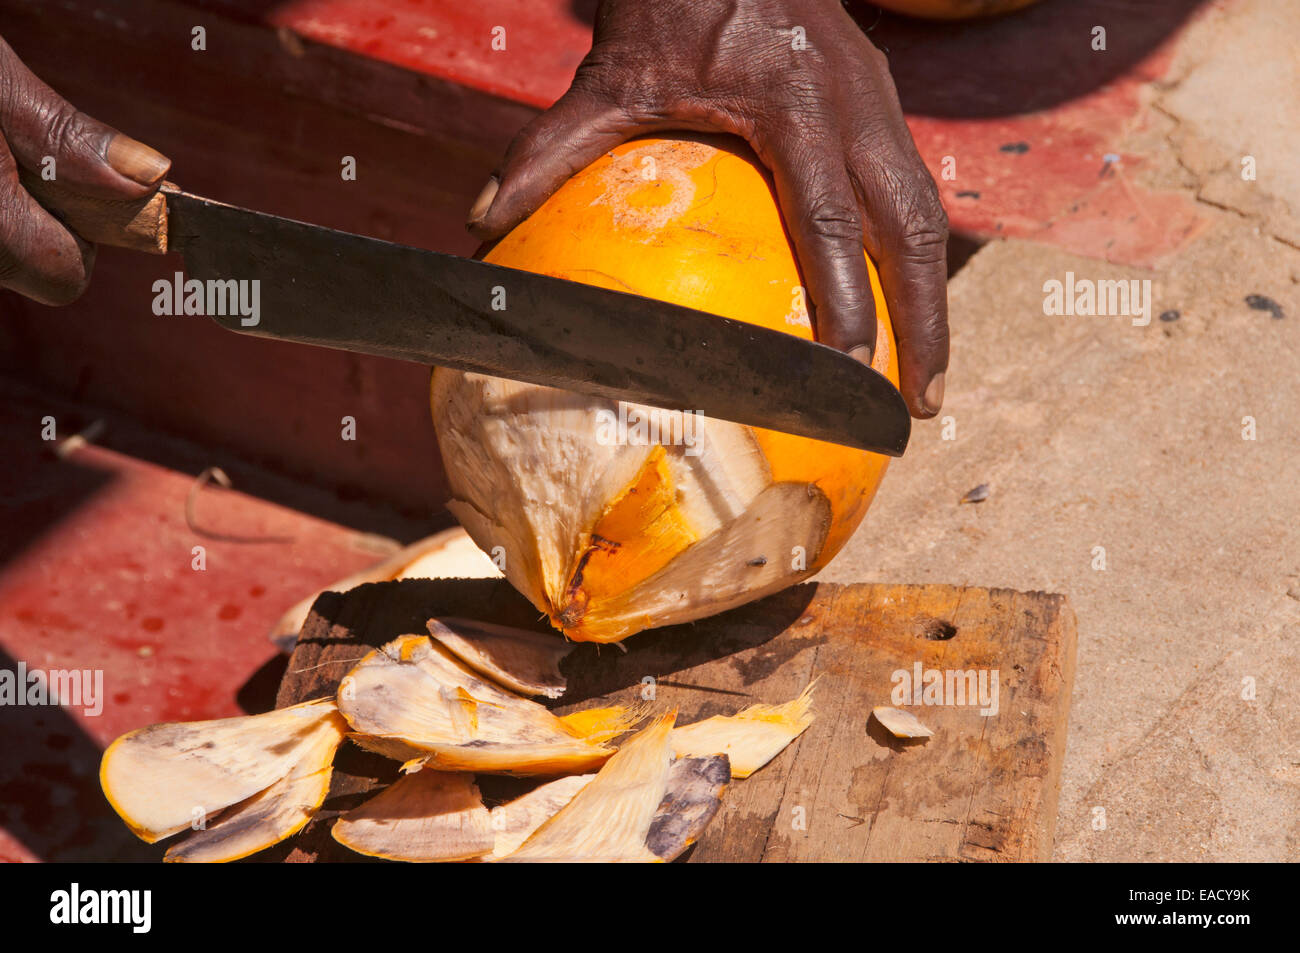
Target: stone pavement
<point>1102,439</point>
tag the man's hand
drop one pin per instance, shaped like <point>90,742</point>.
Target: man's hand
<point>825,119</point>
<point>41,133</point>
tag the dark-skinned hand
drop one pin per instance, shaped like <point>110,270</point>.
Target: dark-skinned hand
<point>40,257</point>
<point>824,119</point>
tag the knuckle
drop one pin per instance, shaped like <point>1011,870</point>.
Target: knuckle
<point>828,217</point>
<point>43,266</point>
<point>65,133</point>
<point>922,219</point>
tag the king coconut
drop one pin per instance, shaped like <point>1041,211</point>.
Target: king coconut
<point>613,519</point>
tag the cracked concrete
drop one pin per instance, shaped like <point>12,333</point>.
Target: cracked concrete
<point>1173,447</point>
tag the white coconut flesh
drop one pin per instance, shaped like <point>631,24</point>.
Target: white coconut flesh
<point>528,474</point>
<point>163,778</point>
<point>522,661</point>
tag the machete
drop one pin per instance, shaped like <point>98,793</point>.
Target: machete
<point>334,289</point>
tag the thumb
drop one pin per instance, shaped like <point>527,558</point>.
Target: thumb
<point>547,152</point>
<point>45,132</point>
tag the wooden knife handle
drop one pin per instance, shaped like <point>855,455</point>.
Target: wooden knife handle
<point>140,225</point>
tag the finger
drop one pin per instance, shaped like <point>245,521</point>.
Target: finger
<point>907,237</point>
<point>547,152</point>
<point>821,212</point>
<point>39,257</point>
<point>50,137</point>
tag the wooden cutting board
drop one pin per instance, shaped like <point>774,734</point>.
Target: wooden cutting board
<point>983,788</point>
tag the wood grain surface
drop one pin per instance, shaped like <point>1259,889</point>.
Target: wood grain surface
<point>983,788</point>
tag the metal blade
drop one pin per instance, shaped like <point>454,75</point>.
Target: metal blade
<point>333,289</point>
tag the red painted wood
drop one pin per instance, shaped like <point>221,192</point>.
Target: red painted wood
<point>96,572</point>
<point>968,88</point>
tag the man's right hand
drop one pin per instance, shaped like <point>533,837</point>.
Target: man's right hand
<point>41,133</point>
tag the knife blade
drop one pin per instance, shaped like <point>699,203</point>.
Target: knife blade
<point>334,289</point>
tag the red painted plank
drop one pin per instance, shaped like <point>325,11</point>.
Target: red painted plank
<point>537,44</point>
<point>97,572</point>
<point>969,89</point>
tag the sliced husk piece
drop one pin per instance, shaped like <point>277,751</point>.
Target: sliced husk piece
<point>603,724</point>
<point>424,817</point>
<point>515,821</point>
<point>161,778</point>
<point>750,738</point>
<point>609,819</point>
<point>695,788</point>
<point>693,797</point>
<point>900,723</point>
<point>522,661</point>
<point>269,816</point>
<point>414,700</point>
<point>521,761</point>
<point>438,816</point>
<point>449,554</point>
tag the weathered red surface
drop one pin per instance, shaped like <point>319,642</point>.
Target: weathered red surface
<point>970,90</point>
<point>96,572</point>
<point>538,44</point>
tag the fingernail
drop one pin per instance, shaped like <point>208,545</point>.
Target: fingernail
<point>137,161</point>
<point>861,354</point>
<point>484,200</point>
<point>933,398</point>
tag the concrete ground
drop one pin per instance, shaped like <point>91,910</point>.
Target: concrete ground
<point>1092,432</point>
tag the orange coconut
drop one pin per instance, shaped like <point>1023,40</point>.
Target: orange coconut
<point>639,527</point>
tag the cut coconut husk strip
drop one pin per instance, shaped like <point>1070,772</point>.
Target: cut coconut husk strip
<point>693,797</point>
<point>695,788</point>
<point>450,554</point>
<point>750,738</point>
<point>515,821</point>
<point>165,778</point>
<point>437,816</point>
<point>414,700</point>
<point>609,819</point>
<point>522,661</point>
<point>899,723</point>
<point>520,761</point>
<point>423,817</point>
<point>269,816</point>
<point>605,724</point>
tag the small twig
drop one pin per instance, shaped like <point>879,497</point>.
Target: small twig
<point>309,668</point>
<point>218,475</point>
